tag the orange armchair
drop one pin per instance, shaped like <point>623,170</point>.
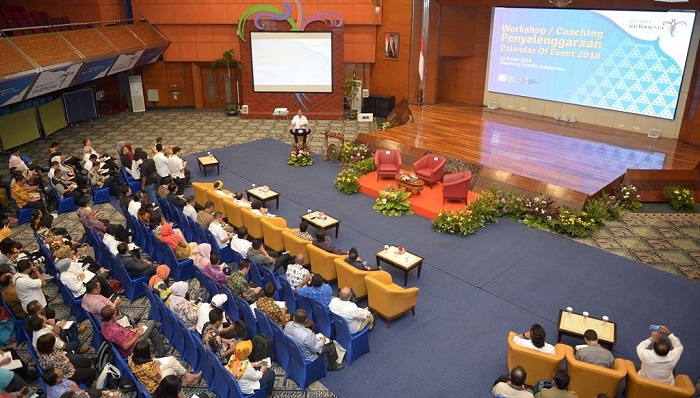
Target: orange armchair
<point>456,186</point>
<point>272,228</point>
<point>588,379</point>
<point>234,213</point>
<point>641,387</point>
<point>295,245</point>
<point>252,223</point>
<point>388,299</point>
<point>538,365</point>
<point>200,191</point>
<point>322,262</point>
<point>352,277</point>
<point>430,168</point>
<point>388,162</point>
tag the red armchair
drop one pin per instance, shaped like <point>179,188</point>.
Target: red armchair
<point>388,162</point>
<point>430,168</point>
<point>456,186</point>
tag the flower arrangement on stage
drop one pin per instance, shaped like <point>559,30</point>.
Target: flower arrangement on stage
<point>386,125</point>
<point>354,153</point>
<point>346,182</point>
<point>300,156</point>
<point>393,202</point>
<point>538,211</point>
<point>682,199</point>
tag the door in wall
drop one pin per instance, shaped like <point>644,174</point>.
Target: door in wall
<point>219,88</point>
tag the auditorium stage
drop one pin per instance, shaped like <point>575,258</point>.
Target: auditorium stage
<point>532,153</point>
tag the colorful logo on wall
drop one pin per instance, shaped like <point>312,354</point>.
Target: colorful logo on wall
<point>262,12</point>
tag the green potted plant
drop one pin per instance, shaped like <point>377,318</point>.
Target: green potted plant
<point>228,58</point>
<point>350,89</point>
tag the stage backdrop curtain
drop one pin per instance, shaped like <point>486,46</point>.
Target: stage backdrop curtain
<point>53,116</point>
<point>18,128</point>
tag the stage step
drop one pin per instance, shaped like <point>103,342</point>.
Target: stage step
<point>650,183</point>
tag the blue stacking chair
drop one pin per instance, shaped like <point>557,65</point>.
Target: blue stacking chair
<point>205,366</point>
<point>354,344</point>
<point>134,185</point>
<point>178,340</point>
<point>305,304</point>
<point>179,270</point>
<point>301,371</point>
<point>279,346</point>
<point>99,195</point>
<point>48,258</point>
<point>227,254</point>
<point>97,337</point>
<point>230,306</point>
<point>170,325</point>
<point>188,229</point>
<point>254,274</point>
<point>263,324</point>
<point>288,294</point>
<point>190,354</point>
<point>64,204</point>
<point>206,282</point>
<point>24,215</point>
<point>269,276</point>
<point>155,313</point>
<point>134,286</point>
<point>20,331</point>
<point>248,317</point>
<point>322,318</point>
<point>220,387</point>
<point>75,304</point>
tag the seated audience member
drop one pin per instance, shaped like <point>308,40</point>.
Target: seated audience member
<point>513,386</point>
<point>174,198</point>
<point>125,196</point>
<point>357,317</point>
<point>29,171</point>
<point>354,259</point>
<point>169,387</point>
<point>185,310</point>
<point>90,219</point>
<point>105,160</point>
<point>72,276</point>
<point>216,228</point>
<point>318,290</point>
<point>17,378</point>
<point>126,155</point>
<point>9,295</point>
<point>251,376</point>
<point>78,369</point>
<point>310,345</point>
<point>269,307</point>
<point>94,301</point>
<point>28,284</point>
<point>183,249</point>
<point>212,338</point>
<point>203,256</point>
<point>213,270</point>
<point>593,352</point>
<point>57,386</point>
<point>558,390</point>
<point>303,231</point>
<point>135,204</point>
<point>163,187</point>
<point>150,371</point>
<point>534,339</point>
<point>100,179</point>
<point>240,242</point>
<point>323,241</point>
<point>159,282</point>
<point>110,240</point>
<point>203,318</point>
<point>238,284</point>
<point>55,151</point>
<point>25,199</point>
<point>297,275</point>
<point>240,200</point>
<point>64,341</point>
<point>659,355</point>
<point>126,338</point>
<point>256,207</point>
<point>189,209</point>
<point>65,190</point>
<point>134,265</point>
<point>205,216</point>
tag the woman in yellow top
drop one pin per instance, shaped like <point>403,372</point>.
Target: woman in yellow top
<point>23,198</point>
<point>150,371</point>
<point>251,376</point>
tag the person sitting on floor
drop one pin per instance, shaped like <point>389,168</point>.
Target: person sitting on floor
<point>593,353</point>
<point>513,386</point>
<point>534,339</point>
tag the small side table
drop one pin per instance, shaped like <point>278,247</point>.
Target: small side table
<point>208,161</point>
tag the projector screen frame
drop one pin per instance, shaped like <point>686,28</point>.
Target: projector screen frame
<point>326,88</point>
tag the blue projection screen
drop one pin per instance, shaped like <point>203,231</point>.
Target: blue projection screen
<point>627,61</point>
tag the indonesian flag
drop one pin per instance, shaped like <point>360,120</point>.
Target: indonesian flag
<point>421,60</point>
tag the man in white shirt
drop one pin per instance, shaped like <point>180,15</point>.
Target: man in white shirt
<point>299,127</point>
<point>28,283</point>
<point>216,229</point>
<point>135,204</point>
<point>178,169</point>
<point>534,339</point>
<point>659,355</point>
<point>161,161</point>
<point>189,209</point>
<point>240,242</point>
<point>257,208</point>
<point>357,317</point>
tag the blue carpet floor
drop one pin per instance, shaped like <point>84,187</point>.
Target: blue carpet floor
<point>473,290</point>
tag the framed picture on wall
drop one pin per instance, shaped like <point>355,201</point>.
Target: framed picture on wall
<point>391,45</point>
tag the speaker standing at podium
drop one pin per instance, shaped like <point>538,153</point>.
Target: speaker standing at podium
<point>299,128</point>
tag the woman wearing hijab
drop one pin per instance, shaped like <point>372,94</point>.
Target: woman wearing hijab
<point>159,281</point>
<point>249,378</point>
<point>201,259</point>
<point>150,371</point>
<point>73,276</point>
<point>185,310</point>
<point>182,249</point>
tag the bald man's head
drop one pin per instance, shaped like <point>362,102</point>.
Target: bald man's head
<point>300,259</point>
<point>345,293</point>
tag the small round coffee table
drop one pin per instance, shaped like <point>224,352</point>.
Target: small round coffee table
<point>410,185</point>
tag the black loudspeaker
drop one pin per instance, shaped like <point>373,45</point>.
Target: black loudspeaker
<point>379,105</point>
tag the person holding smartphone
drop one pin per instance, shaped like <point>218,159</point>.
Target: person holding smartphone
<point>659,354</point>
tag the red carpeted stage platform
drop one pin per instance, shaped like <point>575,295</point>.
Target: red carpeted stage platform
<point>427,203</point>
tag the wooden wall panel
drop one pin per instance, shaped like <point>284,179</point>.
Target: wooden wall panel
<point>168,77</point>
